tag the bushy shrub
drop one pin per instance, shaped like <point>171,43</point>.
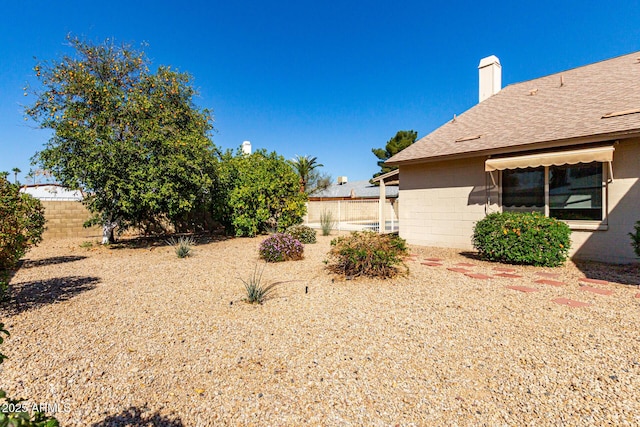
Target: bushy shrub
<point>635,239</point>
<point>367,254</point>
<point>327,222</point>
<point>21,227</point>
<point>522,238</point>
<point>302,233</point>
<point>281,247</point>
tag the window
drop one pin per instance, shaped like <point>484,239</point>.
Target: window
<point>571,192</point>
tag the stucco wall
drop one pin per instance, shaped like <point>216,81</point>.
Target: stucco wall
<point>614,244</point>
<point>440,203</point>
<point>65,219</point>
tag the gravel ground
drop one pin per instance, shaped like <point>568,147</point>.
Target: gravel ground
<point>136,336</point>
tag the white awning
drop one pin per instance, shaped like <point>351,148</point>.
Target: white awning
<point>556,158</point>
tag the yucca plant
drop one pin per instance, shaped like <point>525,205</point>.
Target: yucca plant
<point>182,245</point>
<point>257,292</point>
<point>327,222</point>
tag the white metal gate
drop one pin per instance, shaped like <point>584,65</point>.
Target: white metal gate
<point>353,215</point>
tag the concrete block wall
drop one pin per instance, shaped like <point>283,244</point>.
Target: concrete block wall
<point>65,219</point>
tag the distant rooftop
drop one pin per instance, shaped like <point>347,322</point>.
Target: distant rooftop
<point>357,189</point>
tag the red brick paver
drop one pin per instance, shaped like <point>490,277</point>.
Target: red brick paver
<point>523,289</point>
<point>595,290</point>
<point>637,295</point>
<point>478,276</point>
<point>595,281</point>
<point>549,282</point>
<point>570,302</point>
<point>459,270</point>
<point>432,264</point>
<point>508,275</point>
<point>505,270</point>
<point>434,259</point>
<point>545,274</point>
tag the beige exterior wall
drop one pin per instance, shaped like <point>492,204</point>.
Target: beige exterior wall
<point>440,203</point>
<point>623,194</point>
<point>65,219</point>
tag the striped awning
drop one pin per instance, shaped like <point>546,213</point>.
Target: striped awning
<point>555,158</point>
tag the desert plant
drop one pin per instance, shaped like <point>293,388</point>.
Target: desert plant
<point>281,247</point>
<point>12,413</point>
<point>327,222</point>
<point>635,239</point>
<point>257,292</point>
<point>182,245</point>
<point>367,254</point>
<point>522,238</point>
<point>302,233</point>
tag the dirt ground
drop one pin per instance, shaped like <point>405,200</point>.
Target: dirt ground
<point>133,335</point>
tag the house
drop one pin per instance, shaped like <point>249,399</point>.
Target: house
<point>566,145</point>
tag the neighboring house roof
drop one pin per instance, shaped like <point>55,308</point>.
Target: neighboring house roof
<point>357,189</point>
<point>51,192</point>
<point>586,104</point>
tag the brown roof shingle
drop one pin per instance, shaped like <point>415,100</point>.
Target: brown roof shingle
<point>561,108</point>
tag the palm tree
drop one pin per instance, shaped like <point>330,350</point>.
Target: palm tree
<point>304,166</point>
<point>16,171</point>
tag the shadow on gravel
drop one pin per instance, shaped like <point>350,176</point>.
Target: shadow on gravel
<point>134,416</point>
<point>146,242</point>
<point>626,274</point>
<point>31,263</point>
<point>29,295</point>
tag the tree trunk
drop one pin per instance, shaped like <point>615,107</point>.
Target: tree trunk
<point>107,232</point>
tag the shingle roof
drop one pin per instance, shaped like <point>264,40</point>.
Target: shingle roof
<point>360,189</point>
<point>562,107</point>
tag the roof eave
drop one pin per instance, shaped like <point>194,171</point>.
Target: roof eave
<point>523,147</point>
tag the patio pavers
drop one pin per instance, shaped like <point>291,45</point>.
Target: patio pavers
<point>523,289</point>
<point>434,259</point>
<point>432,264</point>
<point>594,281</point>
<point>464,264</point>
<point>570,302</point>
<point>459,270</point>
<point>596,290</point>
<point>546,274</point>
<point>478,276</point>
<point>550,282</point>
<point>638,295</point>
<point>505,270</point>
<point>508,275</point>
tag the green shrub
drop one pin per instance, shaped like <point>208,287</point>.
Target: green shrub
<point>257,293</point>
<point>522,238</point>
<point>10,417</point>
<point>21,227</point>
<point>635,239</point>
<point>302,233</point>
<point>281,247</point>
<point>327,223</point>
<point>182,245</point>
<point>367,254</point>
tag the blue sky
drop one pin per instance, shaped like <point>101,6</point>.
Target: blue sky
<point>326,79</point>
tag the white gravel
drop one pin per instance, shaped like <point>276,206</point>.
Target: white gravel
<point>136,336</point>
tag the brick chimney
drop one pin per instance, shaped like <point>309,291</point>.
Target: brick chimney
<point>490,72</point>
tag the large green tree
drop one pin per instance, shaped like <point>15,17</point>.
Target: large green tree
<point>130,139</point>
<point>262,193</point>
<point>399,142</point>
